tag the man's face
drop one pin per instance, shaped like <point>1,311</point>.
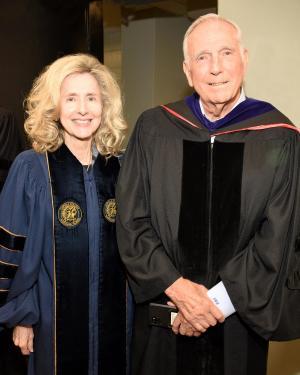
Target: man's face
<point>216,63</point>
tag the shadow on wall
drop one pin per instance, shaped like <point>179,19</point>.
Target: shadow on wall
<point>284,358</point>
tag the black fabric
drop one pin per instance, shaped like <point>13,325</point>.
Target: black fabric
<point>10,138</point>
<point>253,233</point>
<point>194,211</point>
<point>12,362</point>
<point>208,233</point>
<point>5,164</point>
<point>244,351</point>
<point>226,204</point>
<point>71,267</point>
<point>7,271</point>
<point>203,355</point>
<point>10,141</point>
<point>213,203</point>
<point>3,296</point>
<point>11,241</point>
<point>112,298</point>
<point>293,281</point>
<point>160,356</point>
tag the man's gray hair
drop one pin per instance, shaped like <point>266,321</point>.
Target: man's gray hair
<point>207,18</point>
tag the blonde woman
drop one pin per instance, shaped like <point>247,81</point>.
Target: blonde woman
<point>62,284</point>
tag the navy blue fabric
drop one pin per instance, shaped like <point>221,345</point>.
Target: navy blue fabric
<point>245,110</point>
<point>72,253</point>
<point>11,241</point>
<point>26,210</point>
<point>94,260</point>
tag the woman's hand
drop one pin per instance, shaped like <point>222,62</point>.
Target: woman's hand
<point>23,338</point>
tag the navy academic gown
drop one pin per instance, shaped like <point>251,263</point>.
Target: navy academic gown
<point>62,274</point>
<point>11,359</point>
<point>208,206</point>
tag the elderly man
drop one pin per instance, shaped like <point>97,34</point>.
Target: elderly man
<point>206,219</point>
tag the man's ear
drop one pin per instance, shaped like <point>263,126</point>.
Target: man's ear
<point>187,73</point>
<point>245,57</point>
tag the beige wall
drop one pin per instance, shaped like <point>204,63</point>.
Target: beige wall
<point>284,358</point>
<point>271,32</point>
<point>138,54</point>
<point>152,63</point>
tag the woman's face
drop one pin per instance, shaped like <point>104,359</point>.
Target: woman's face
<point>80,107</point>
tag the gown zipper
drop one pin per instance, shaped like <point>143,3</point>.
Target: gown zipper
<point>209,250</point>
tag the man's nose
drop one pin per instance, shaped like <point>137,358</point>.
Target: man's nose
<point>216,65</point>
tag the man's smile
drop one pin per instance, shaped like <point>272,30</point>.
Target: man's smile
<point>218,83</point>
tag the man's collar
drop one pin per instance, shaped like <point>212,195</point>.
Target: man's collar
<point>240,100</point>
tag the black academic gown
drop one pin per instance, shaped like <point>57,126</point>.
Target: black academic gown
<point>211,211</point>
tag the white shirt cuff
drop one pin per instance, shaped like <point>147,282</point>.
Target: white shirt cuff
<point>218,294</point>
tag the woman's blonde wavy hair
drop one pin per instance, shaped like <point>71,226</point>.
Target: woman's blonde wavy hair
<point>42,106</point>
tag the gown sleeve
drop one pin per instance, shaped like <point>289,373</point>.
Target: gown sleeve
<point>150,270</point>
<point>256,278</point>
<point>22,217</point>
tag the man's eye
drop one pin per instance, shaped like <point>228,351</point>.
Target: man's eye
<point>70,99</point>
<point>201,58</point>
